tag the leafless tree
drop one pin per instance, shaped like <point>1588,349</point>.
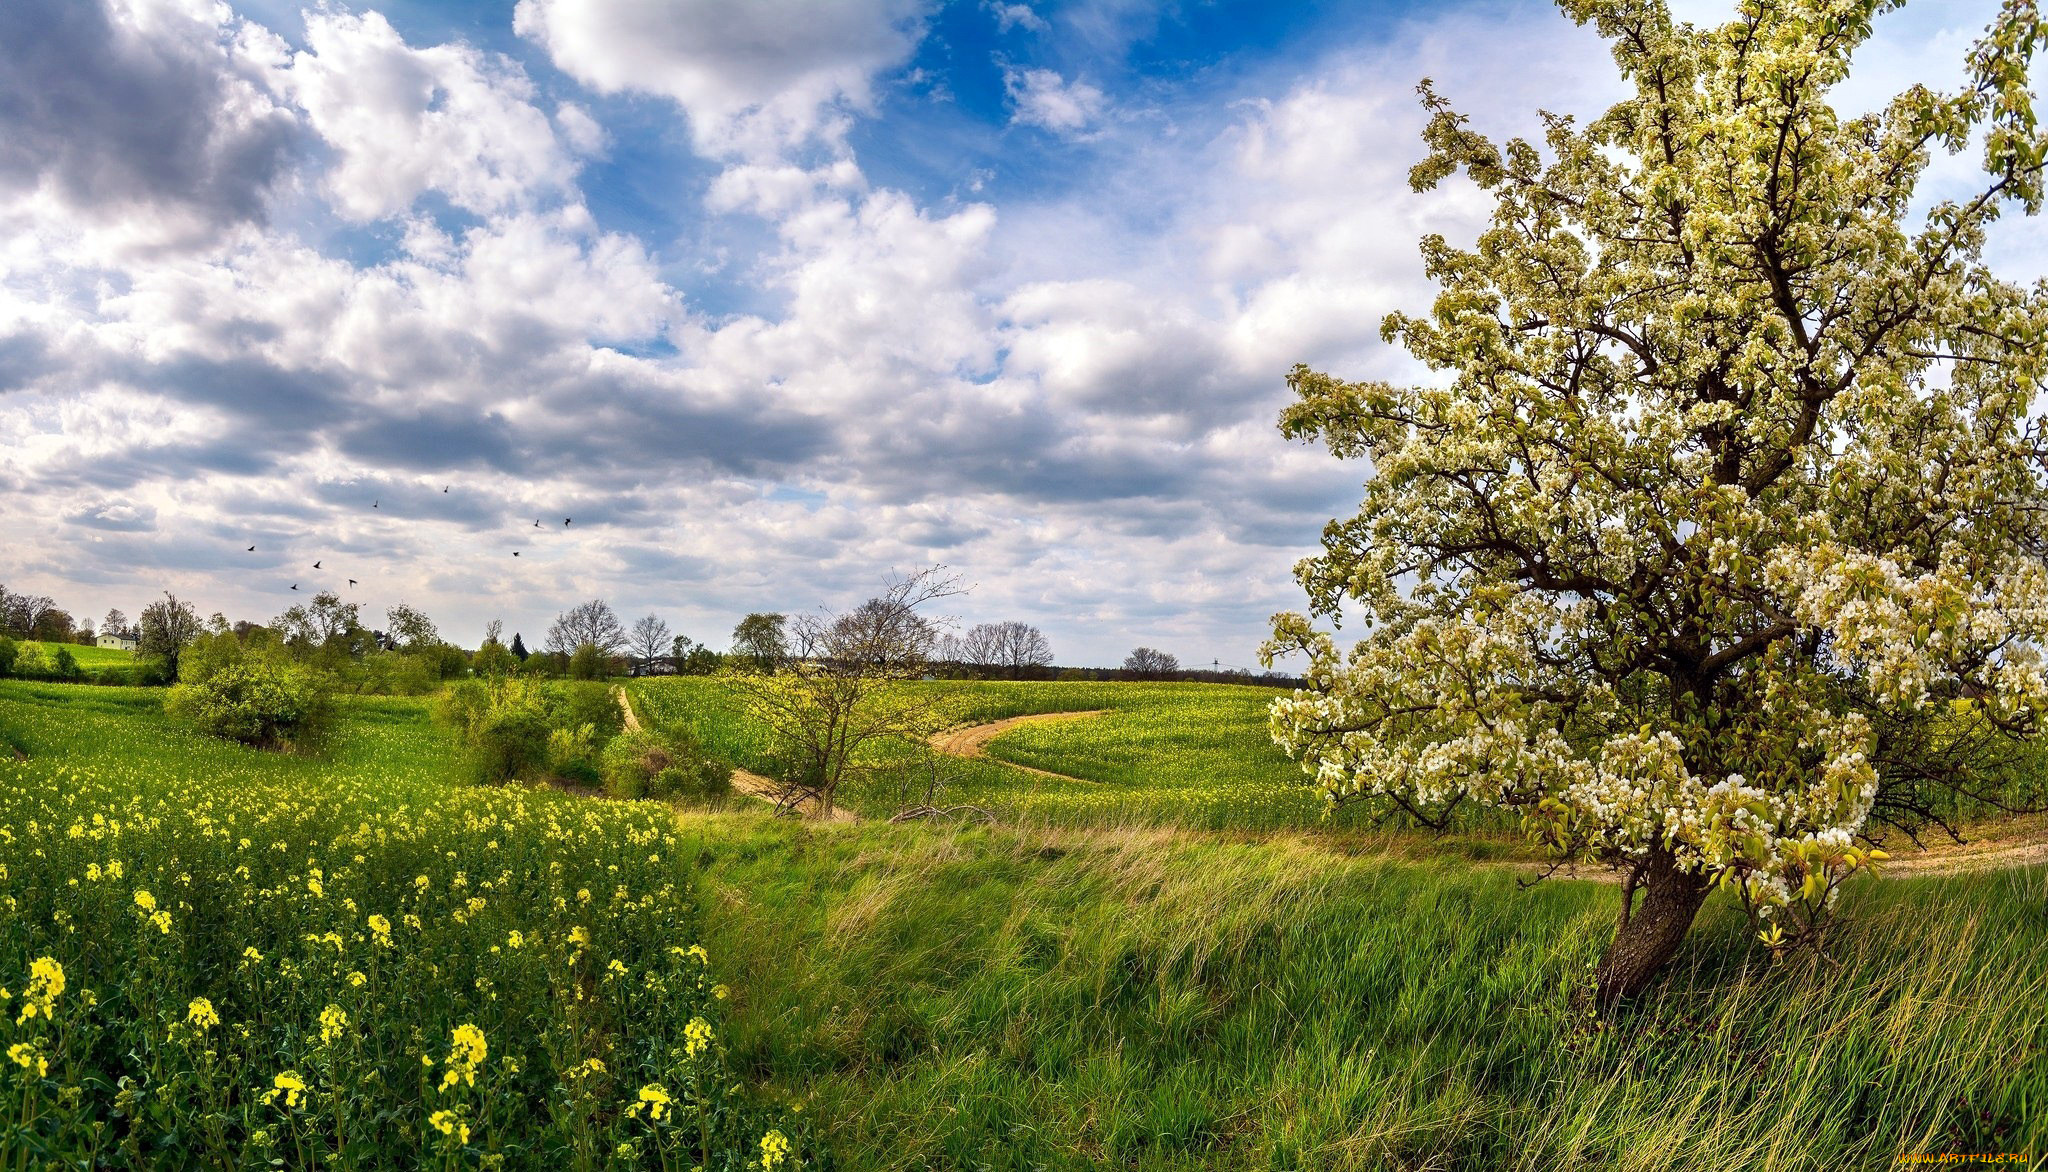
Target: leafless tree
<point>838,698</point>
<point>116,623</point>
<point>1147,663</point>
<point>493,630</point>
<point>649,640</point>
<point>591,622</point>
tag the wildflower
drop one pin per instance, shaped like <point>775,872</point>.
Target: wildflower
<point>380,930</point>
<point>615,969</point>
<point>356,980</point>
<point>251,956</point>
<point>449,1123</point>
<point>24,1055</point>
<point>145,901</point>
<point>654,1100</point>
<point>200,1013</point>
<point>333,1020</point>
<point>517,939</point>
<point>774,1149</point>
<point>290,1086</point>
<point>162,921</point>
<point>466,1051</point>
<point>45,985</point>
<point>586,1068</point>
<point>696,1036</point>
<point>314,886</point>
<point>720,992</point>
<point>579,935</point>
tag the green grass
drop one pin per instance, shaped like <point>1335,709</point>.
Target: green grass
<point>347,917</point>
<point>1194,755</point>
<point>1021,996</point>
<point>87,657</point>
<point>1143,999</point>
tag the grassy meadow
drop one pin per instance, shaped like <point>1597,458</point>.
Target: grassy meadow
<point>1156,980</point>
<point>1191,755</point>
<point>87,657</point>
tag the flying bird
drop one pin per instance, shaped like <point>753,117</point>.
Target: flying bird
<point>316,565</point>
<point>252,549</point>
<point>295,585</point>
<point>351,581</point>
<point>536,524</point>
<point>515,553</point>
<point>375,503</point>
<point>565,520</point>
<point>444,490</point>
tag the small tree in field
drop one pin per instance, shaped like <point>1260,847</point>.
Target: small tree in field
<point>837,697</point>
<point>649,639</point>
<point>166,626</point>
<point>1148,663</point>
<point>1723,533</point>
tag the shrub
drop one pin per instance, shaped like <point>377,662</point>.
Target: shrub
<point>656,765</point>
<point>521,729</point>
<point>64,665</point>
<point>257,701</point>
<point>503,726</point>
<point>573,705</point>
<point>9,652</point>
<point>588,663</point>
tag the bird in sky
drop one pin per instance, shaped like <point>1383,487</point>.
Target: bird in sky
<point>515,553</point>
<point>444,489</point>
<point>252,549</point>
<point>295,585</point>
<point>316,565</point>
<point>375,503</point>
<point>351,581</point>
<point>565,520</point>
<point>536,524</point>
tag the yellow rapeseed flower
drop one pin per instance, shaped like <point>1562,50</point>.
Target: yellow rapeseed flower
<point>45,985</point>
<point>333,1020</point>
<point>449,1123</point>
<point>200,1013</point>
<point>466,1051</point>
<point>27,1057</point>
<point>774,1149</point>
<point>290,1086</point>
<point>696,1037</point>
<point>654,1100</point>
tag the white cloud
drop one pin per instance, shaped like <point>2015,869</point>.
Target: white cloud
<point>406,120</point>
<point>1041,97</point>
<point>1016,16</point>
<point>755,78</point>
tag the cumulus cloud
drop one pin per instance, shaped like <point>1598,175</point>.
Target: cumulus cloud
<point>1068,395</point>
<point>1042,98</point>
<point>755,78</point>
<point>153,113</point>
<point>446,118</point>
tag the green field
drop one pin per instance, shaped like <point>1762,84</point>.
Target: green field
<point>87,657</point>
<point>1195,755</point>
<point>1029,995</point>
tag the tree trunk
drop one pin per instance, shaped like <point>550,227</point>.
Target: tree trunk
<point>1647,936</point>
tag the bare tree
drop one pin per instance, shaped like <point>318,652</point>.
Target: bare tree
<point>591,622</point>
<point>494,630</point>
<point>836,701</point>
<point>1147,663</point>
<point>649,640</point>
<point>1020,646</point>
<point>115,623</point>
<point>977,647</point>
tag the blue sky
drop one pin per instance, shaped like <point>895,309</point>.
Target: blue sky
<point>773,298</point>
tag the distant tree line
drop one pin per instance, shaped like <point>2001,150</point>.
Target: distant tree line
<point>589,641</point>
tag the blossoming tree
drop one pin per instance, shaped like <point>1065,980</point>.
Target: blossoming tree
<point>1721,535</point>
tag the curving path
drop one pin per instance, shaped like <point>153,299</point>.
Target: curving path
<point>971,740</point>
<point>744,780</point>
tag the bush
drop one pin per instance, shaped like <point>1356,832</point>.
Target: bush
<point>516,729</point>
<point>9,652</point>
<point>653,765</point>
<point>257,701</point>
<point>589,663</point>
<point>503,726</point>
<point>574,705</point>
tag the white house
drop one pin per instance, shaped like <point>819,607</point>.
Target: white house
<point>117,642</point>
